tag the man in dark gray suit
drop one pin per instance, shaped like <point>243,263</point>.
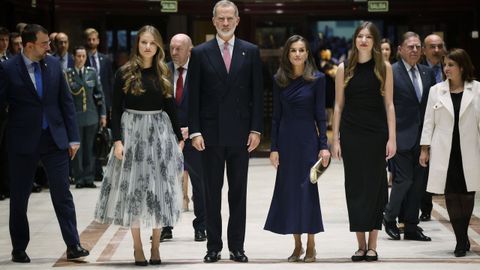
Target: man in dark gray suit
<point>225,121</point>
<point>84,84</point>
<point>180,47</point>
<point>412,83</point>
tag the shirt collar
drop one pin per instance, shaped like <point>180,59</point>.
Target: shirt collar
<point>220,41</point>
<point>185,66</point>
<point>408,65</point>
<point>432,65</point>
<point>27,60</point>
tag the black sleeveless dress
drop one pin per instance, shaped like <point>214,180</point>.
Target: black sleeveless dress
<point>363,139</point>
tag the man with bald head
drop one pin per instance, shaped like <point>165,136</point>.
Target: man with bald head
<point>180,47</point>
<point>62,45</point>
<point>433,50</point>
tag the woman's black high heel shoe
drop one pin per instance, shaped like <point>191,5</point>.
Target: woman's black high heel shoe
<point>140,263</point>
<point>154,261</point>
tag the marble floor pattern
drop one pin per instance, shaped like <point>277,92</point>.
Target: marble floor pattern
<point>111,246</point>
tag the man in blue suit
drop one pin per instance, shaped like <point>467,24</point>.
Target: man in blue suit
<point>180,47</point>
<point>225,121</point>
<point>103,65</point>
<point>412,83</point>
<point>62,44</point>
<point>41,127</point>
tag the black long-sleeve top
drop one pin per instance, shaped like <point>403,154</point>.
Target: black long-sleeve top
<point>150,100</point>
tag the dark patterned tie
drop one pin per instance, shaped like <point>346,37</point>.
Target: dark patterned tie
<point>179,86</point>
<point>415,84</point>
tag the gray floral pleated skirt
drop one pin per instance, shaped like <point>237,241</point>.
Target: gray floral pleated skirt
<point>144,188</point>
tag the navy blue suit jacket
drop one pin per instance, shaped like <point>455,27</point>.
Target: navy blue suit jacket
<point>408,111</point>
<point>26,107</point>
<point>106,77</point>
<point>71,62</point>
<point>182,108</point>
<point>225,107</point>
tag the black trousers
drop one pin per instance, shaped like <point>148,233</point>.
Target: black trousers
<point>408,188</point>
<point>22,170</point>
<point>84,162</point>
<point>235,159</point>
<point>193,165</point>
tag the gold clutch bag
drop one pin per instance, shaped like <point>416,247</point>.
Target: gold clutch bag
<point>317,170</point>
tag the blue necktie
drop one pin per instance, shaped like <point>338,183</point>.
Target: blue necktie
<point>39,83</point>
<point>94,62</point>
<point>438,73</point>
<point>415,84</point>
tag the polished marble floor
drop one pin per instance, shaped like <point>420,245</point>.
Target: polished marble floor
<point>111,246</point>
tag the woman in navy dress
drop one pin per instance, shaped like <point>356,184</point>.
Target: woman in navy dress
<point>298,140</point>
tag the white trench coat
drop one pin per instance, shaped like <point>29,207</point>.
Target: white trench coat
<point>438,129</point>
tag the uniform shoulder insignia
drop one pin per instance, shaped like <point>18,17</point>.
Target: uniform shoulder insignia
<point>90,68</point>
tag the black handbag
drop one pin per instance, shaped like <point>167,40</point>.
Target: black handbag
<point>103,143</point>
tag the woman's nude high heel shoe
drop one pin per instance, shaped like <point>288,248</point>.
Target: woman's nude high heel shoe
<point>296,258</point>
<point>308,259</point>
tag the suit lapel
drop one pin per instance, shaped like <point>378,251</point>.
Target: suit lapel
<point>237,60</point>
<point>425,82</point>
<point>407,80</point>
<point>216,59</point>
<point>22,70</point>
<point>445,99</point>
<point>45,76</point>
<point>467,97</point>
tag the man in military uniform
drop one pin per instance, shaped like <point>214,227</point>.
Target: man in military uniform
<point>89,103</point>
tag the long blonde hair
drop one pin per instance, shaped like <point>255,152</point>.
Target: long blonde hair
<point>380,69</point>
<point>132,70</point>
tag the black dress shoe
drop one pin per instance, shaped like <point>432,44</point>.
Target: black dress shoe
<point>2,197</point>
<point>238,256</point>
<point>425,217</point>
<point>200,236</point>
<point>359,255</point>
<point>460,253</point>
<point>20,256</point>
<point>36,188</point>
<point>212,256</point>
<point>416,236</point>
<point>371,258</point>
<point>79,185</point>
<point>90,185</point>
<point>166,234</point>
<point>76,251</point>
<point>391,229</point>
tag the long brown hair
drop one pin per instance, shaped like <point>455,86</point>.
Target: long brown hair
<point>380,69</point>
<point>284,73</point>
<point>132,70</point>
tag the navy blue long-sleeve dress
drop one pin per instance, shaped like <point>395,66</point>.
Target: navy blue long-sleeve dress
<point>298,134</point>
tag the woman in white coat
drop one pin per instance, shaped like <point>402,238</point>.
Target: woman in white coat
<point>451,141</point>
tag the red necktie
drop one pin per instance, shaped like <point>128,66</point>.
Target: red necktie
<point>179,86</point>
<point>226,56</point>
